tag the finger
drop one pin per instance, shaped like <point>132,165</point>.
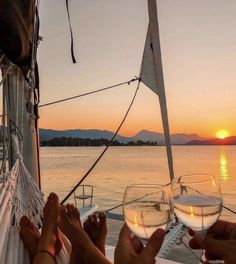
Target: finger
<point>194,244</point>
<point>125,233</point>
<point>212,257</point>
<point>196,241</point>
<point>221,229</point>
<point>153,245</point>
<point>221,247</point>
<point>191,232</point>
<point>137,245</point>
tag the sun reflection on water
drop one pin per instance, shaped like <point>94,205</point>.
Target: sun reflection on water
<point>224,172</point>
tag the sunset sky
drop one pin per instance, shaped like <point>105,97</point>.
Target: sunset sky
<point>198,40</point>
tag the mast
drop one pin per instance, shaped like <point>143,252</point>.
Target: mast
<point>159,78</point>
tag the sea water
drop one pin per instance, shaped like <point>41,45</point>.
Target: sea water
<point>63,167</point>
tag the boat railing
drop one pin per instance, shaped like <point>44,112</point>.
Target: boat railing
<point>82,194</point>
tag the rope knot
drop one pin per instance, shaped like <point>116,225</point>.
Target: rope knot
<point>18,156</point>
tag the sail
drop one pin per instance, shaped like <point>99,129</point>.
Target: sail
<point>147,74</point>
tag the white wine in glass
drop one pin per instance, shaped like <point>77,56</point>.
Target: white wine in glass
<point>146,208</point>
<point>197,200</point>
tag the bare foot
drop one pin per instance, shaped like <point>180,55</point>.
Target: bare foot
<point>96,228</point>
<point>50,239</point>
<point>30,236</point>
<point>83,249</point>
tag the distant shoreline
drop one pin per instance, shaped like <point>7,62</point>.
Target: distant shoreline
<point>87,142</point>
<point>143,136</point>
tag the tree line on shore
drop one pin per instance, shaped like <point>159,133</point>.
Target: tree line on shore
<point>77,142</point>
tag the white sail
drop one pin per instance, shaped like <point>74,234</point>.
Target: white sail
<point>147,74</point>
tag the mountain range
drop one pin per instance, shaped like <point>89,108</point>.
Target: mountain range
<point>143,135</point>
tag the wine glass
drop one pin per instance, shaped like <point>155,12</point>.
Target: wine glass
<point>197,200</point>
<point>146,207</point>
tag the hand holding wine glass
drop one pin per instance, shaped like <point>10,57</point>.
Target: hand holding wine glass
<point>219,243</point>
<point>130,250</point>
<point>197,201</point>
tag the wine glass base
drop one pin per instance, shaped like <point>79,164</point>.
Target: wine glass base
<point>143,241</point>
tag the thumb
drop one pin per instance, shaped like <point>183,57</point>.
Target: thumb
<point>153,245</point>
<point>222,248</point>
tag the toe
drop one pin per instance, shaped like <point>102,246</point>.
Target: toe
<point>90,219</point>
<point>94,219</point>
<point>103,223</point>
<point>53,198</point>
<point>77,213</point>
<point>63,211</point>
<point>73,212</point>
<point>24,221</point>
<point>86,225</point>
<point>102,218</point>
<point>68,210</point>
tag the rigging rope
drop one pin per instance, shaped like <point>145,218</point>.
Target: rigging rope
<point>88,93</point>
<point>2,57</point>
<point>106,148</point>
<point>228,209</point>
<point>71,34</point>
<point>5,75</point>
<point>119,205</point>
<point>4,161</point>
<point>225,207</point>
<point>191,251</point>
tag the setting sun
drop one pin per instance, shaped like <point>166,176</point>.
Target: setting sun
<point>222,134</point>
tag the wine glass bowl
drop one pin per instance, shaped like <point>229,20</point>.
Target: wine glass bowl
<point>197,200</point>
<point>146,207</point>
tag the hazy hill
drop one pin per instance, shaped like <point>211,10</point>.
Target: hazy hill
<point>214,141</point>
<point>144,135</point>
<point>184,138</point>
